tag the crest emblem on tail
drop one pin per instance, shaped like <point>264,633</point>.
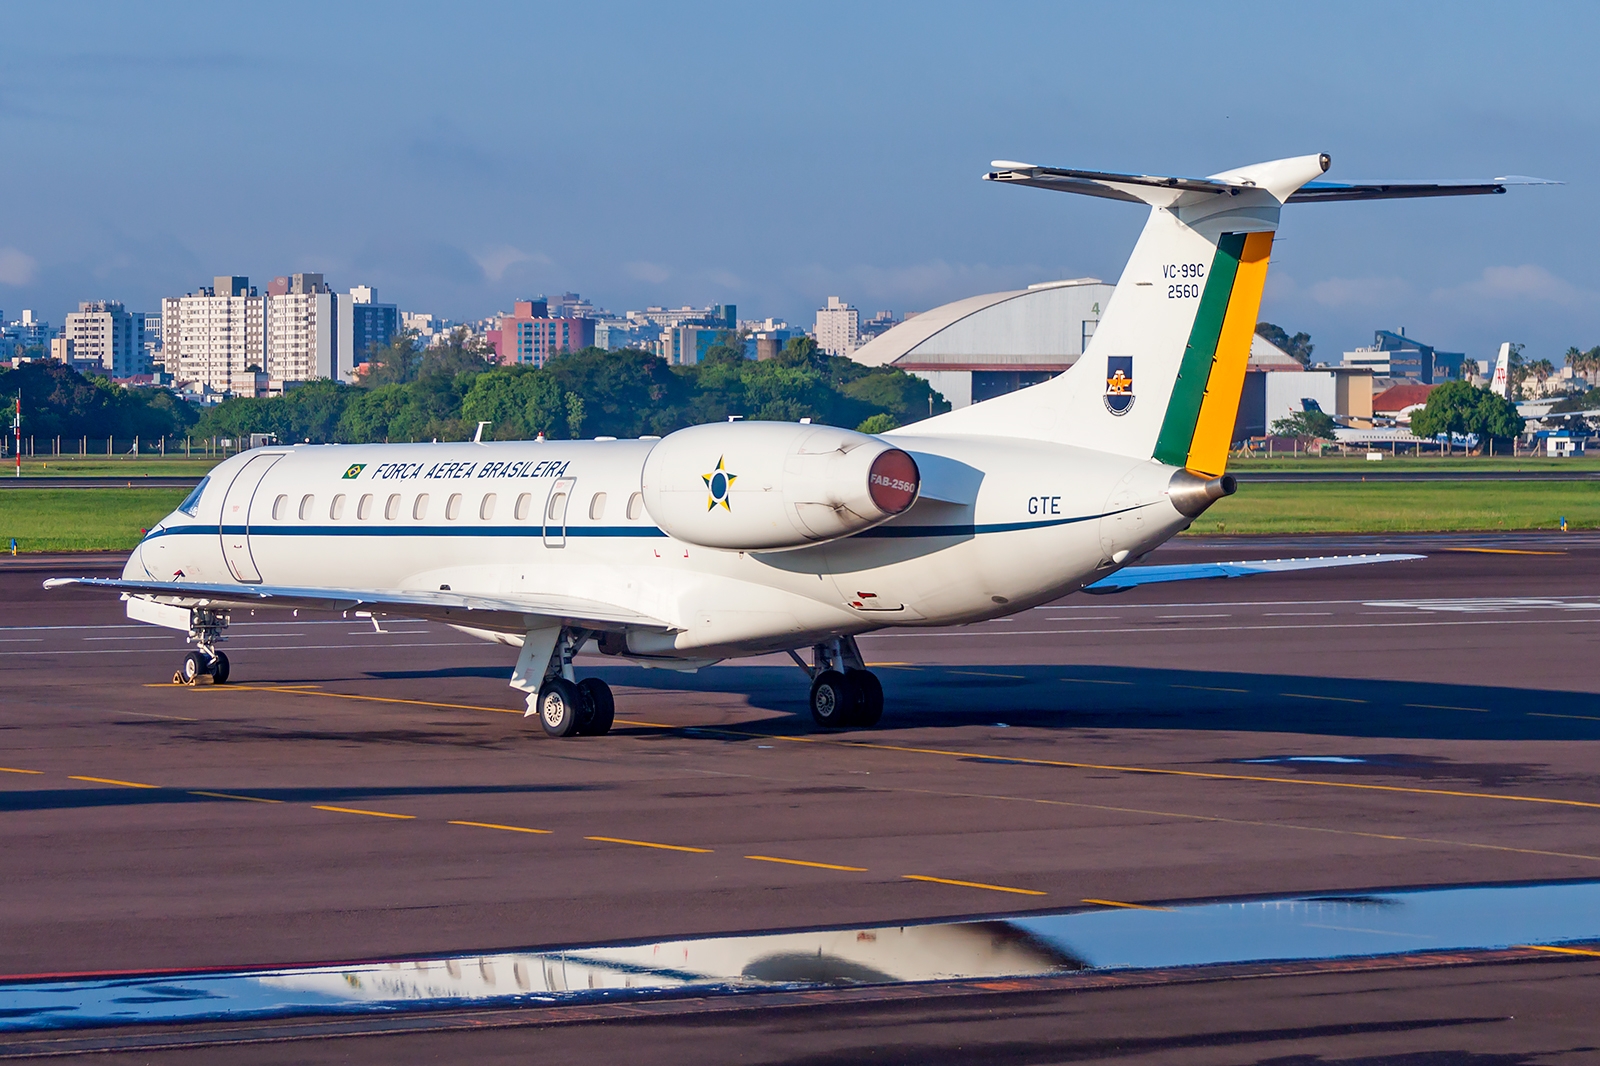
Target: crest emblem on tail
<point>1119,384</point>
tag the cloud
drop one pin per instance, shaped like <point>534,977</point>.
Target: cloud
<point>16,267</point>
<point>497,261</point>
<point>1360,292</point>
<point>1517,283</point>
<point>653,273</point>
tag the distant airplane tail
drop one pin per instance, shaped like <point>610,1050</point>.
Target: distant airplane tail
<point>1162,377</point>
<point>1500,384</point>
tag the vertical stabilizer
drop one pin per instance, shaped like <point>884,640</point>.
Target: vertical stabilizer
<point>1500,384</point>
<point>1163,374</point>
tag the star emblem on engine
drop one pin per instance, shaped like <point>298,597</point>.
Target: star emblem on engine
<point>718,482</point>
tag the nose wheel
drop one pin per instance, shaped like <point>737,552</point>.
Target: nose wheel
<point>197,664</point>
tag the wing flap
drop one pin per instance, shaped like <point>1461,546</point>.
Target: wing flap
<point>503,611</point>
<point>1134,576</point>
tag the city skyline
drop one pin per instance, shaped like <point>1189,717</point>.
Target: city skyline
<point>834,152</point>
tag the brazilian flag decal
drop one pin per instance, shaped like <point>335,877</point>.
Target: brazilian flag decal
<point>354,471</point>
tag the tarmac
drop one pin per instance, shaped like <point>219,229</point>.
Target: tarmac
<point>357,794</point>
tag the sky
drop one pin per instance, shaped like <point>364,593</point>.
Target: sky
<point>458,157</point>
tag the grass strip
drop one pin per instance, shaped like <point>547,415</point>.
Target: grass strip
<point>81,519</point>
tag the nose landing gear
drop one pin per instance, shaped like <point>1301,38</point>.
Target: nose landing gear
<point>205,633</point>
<point>844,692</point>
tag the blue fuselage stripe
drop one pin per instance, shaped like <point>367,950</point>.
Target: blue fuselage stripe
<point>890,532</point>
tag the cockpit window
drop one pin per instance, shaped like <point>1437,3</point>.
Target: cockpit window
<point>191,503</point>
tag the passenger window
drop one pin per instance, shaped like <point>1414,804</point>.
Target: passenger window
<point>336,508</point>
<point>452,506</point>
<point>597,506</point>
<point>419,510</point>
<point>558,507</point>
<point>280,507</point>
<point>364,508</point>
<point>486,508</point>
<point>391,509</point>
<point>524,505</point>
<point>636,505</point>
<point>307,502</point>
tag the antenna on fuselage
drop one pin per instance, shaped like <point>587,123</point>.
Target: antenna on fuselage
<point>477,438</point>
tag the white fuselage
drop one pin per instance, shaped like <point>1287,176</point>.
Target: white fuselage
<point>1021,523</point>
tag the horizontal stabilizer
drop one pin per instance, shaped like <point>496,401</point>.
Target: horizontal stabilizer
<point>1138,188</point>
<point>456,607</point>
<point>1134,576</point>
<point>1325,191</point>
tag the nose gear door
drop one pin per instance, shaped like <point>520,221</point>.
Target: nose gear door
<point>555,512</point>
<point>236,510</point>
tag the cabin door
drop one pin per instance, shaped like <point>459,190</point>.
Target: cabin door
<point>236,511</point>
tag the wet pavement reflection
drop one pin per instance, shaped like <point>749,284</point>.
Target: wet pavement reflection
<point>1102,939</point>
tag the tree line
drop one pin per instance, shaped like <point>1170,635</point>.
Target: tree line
<point>411,394</point>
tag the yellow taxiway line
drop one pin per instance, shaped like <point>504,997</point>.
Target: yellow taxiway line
<point>357,810</point>
<point>110,781</point>
<point>649,844</point>
<point>1560,951</point>
<point>802,862</point>
<point>973,884</point>
<point>232,796</point>
<point>1126,906</point>
<point>507,828</point>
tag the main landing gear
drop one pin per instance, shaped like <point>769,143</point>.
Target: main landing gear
<point>844,692</point>
<point>205,633</point>
<point>566,706</point>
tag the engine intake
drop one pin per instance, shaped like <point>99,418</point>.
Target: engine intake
<point>767,486</point>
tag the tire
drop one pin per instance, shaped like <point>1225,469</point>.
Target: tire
<point>194,665</point>
<point>834,698</point>
<point>219,669</point>
<point>560,707</point>
<point>870,707</point>
<point>602,706</point>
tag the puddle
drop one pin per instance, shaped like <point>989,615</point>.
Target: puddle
<point>1306,758</point>
<point>1298,928</point>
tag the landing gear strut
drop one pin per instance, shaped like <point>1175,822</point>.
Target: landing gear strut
<point>844,692</point>
<point>206,627</point>
<point>566,706</point>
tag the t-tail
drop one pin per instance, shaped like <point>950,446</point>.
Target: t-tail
<point>1500,384</point>
<point>1162,377</point>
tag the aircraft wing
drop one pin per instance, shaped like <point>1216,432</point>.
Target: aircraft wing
<point>508,611</point>
<point>1134,576</point>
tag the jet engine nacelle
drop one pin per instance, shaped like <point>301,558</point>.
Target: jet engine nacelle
<point>765,486</point>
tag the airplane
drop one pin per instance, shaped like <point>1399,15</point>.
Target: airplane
<point>1500,384</point>
<point>744,538</point>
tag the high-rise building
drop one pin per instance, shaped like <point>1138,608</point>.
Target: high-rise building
<point>215,337</point>
<point>105,333</point>
<point>150,330</point>
<point>529,335</point>
<point>302,332</point>
<point>687,345</point>
<point>838,328</point>
<point>28,333</point>
<point>364,324</point>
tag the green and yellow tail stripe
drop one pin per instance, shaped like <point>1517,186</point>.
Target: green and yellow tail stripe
<point>1198,426</point>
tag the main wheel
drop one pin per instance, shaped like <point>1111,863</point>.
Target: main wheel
<point>219,669</point>
<point>834,697</point>
<point>194,664</point>
<point>560,707</point>
<point>602,706</point>
<point>870,707</point>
